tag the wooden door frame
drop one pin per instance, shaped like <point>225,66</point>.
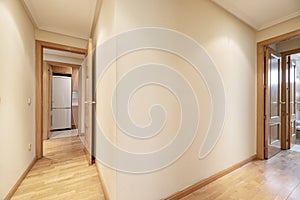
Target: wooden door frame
<point>260,118</point>
<point>284,61</point>
<point>39,46</point>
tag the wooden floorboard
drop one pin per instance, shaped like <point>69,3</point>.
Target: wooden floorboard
<point>276,178</point>
<point>63,173</point>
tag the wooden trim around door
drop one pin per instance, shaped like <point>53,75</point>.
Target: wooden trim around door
<point>62,64</point>
<point>260,89</point>
<point>39,46</point>
<point>290,52</point>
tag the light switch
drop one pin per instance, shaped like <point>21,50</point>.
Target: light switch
<point>29,101</point>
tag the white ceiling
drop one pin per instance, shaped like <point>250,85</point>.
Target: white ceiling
<point>76,17</point>
<point>69,17</point>
<point>261,14</point>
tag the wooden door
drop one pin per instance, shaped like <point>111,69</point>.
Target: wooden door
<point>291,71</point>
<point>75,76</point>
<point>46,105</point>
<point>273,103</point>
<point>50,100</point>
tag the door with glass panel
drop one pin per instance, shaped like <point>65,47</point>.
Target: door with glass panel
<point>291,80</point>
<point>273,103</point>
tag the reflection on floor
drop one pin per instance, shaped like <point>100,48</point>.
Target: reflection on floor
<point>62,134</point>
<point>63,173</point>
<point>296,147</point>
<point>276,143</point>
<point>276,178</point>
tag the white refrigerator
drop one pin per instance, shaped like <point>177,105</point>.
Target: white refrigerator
<point>61,102</point>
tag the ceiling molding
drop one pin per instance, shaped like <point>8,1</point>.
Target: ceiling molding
<point>237,13</point>
<point>280,20</point>
<point>254,14</point>
<point>96,17</point>
<point>28,13</point>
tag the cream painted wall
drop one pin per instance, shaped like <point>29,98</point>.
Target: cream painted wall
<point>279,29</point>
<point>104,30</point>
<point>17,84</point>
<point>60,39</point>
<point>231,46</point>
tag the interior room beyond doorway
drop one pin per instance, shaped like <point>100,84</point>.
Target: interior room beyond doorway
<point>281,96</point>
<point>61,71</point>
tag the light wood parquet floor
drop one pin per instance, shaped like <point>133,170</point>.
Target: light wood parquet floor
<point>63,173</point>
<point>275,179</point>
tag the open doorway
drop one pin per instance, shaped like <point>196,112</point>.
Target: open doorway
<point>277,97</point>
<point>292,59</point>
<point>296,60</point>
<point>48,63</point>
<point>60,94</point>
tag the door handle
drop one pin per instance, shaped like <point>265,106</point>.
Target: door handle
<point>282,103</point>
<point>90,102</point>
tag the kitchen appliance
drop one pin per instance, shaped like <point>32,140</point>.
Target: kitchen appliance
<point>61,102</point>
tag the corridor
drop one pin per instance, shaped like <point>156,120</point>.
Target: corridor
<point>62,173</point>
<point>167,96</point>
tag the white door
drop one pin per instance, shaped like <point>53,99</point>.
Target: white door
<point>89,107</point>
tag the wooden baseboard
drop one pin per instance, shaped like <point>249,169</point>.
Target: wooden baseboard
<point>18,183</point>
<point>102,182</point>
<point>208,180</point>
